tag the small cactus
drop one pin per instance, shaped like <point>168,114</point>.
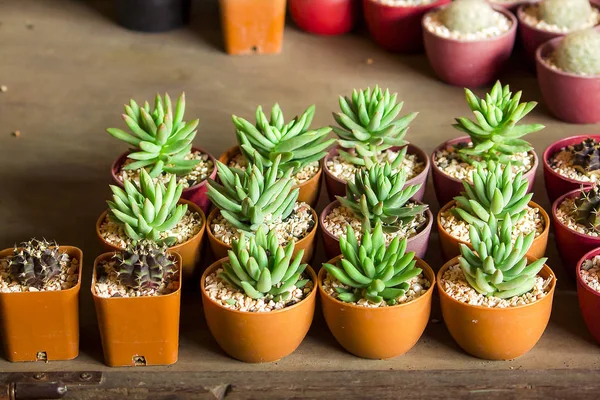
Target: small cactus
<point>144,265</point>
<point>587,209</point>
<point>36,262</point>
<point>569,14</point>
<point>468,16</point>
<point>579,53</point>
<point>586,156</point>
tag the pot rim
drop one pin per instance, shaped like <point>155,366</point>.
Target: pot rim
<point>521,10</point>
<point>562,198</point>
<point>544,47</point>
<point>580,283</point>
<point>553,149</point>
<point>442,292</point>
<point>416,6</point>
<point>216,264</point>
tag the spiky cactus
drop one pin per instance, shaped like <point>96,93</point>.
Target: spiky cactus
<point>579,53</point>
<point>144,265</point>
<point>36,262</point>
<point>468,16</point>
<point>161,138</point>
<point>373,271</point>
<point>569,14</point>
<point>586,156</point>
<point>587,208</point>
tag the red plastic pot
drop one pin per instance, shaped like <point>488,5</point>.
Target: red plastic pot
<point>337,186</point>
<point>556,184</point>
<point>196,194</point>
<point>324,17</point>
<point>470,63</point>
<point>397,28</point>
<point>589,299</point>
<point>447,187</point>
<point>531,36</point>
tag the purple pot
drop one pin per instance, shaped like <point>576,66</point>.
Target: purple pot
<point>417,243</point>
<point>337,187</point>
<point>589,299</point>
<point>447,187</point>
<point>470,63</point>
<point>196,194</point>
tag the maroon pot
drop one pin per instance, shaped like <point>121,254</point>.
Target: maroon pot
<point>589,299</point>
<point>325,17</point>
<point>397,28</point>
<point>196,194</point>
<point>513,6</point>
<point>447,187</point>
<point>531,37</point>
<point>556,184</point>
<point>417,243</point>
<point>470,63</point>
<point>337,187</point>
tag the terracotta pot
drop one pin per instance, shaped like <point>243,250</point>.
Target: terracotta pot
<point>309,190</point>
<point>514,5</point>
<point>259,336</point>
<point>470,63</point>
<point>325,17</point>
<point>196,194</point>
<point>447,187</point>
<point>417,243</point>
<point>32,323</point>
<point>397,28</point>
<point>570,97</point>
<point>589,299</point>
<point>337,187</point>
<point>556,184</point>
<point>252,26</point>
<point>138,330</point>
<point>377,333</point>
<point>190,250</point>
<point>496,333</point>
<point>451,245</point>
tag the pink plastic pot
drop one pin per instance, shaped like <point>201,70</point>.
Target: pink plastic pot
<point>196,194</point>
<point>447,187</point>
<point>397,28</point>
<point>417,243</point>
<point>470,63</point>
<point>589,299</point>
<point>325,17</point>
<point>532,37</point>
<point>556,184</point>
<point>337,187</point>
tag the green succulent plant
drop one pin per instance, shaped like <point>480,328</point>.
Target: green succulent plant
<point>144,265</point>
<point>495,134</point>
<point>373,271</point>
<point>294,142</point>
<point>146,210</point>
<point>586,156</point>
<point>368,124</point>
<point>569,14</point>
<point>161,138</point>
<point>36,262</point>
<point>468,16</point>
<point>587,208</point>
<point>260,267</point>
<point>579,53</point>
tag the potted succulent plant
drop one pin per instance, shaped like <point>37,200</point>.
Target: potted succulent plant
<point>152,15</point>
<point>378,195</point>
<point>247,199</point>
<point>162,145</point>
<point>494,191</point>
<point>325,17</point>
<point>588,290</point>
<point>301,148</point>
<point>494,285</point>
<point>468,42</point>
<point>369,127</point>
<point>395,25</point>
<point>259,302</point>
<point>494,135</point>
<point>137,295</point>
<point>569,76</point>
<point>39,301</point>
<point>153,211</point>
<point>376,298</point>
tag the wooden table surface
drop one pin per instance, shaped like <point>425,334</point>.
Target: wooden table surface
<point>69,69</point>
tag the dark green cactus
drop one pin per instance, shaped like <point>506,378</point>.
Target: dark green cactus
<point>586,156</point>
<point>587,209</point>
<point>144,265</point>
<point>36,262</point>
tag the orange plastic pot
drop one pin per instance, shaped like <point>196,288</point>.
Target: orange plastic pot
<point>377,333</point>
<point>259,336</point>
<point>189,250</point>
<point>252,26</point>
<point>138,330</point>
<point>309,190</point>
<point>37,326</point>
<point>496,333</point>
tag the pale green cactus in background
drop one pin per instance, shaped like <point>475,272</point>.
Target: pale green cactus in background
<point>579,53</point>
<point>569,14</point>
<point>468,16</point>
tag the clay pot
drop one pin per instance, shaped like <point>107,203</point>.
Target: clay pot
<point>337,187</point>
<point>496,333</point>
<point>325,17</point>
<point>570,97</point>
<point>532,37</point>
<point>252,26</point>
<point>397,28</point>
<point>195,194</point>
<point>451,245</point>
<point>190,250</point>
<point>417,243</point>
<point>447,187</point>
<point>138,331</point>
<point>34,324</point>
<point>470,63</point>
<point>556,184</point>
<point>589,299</point>
<point>377,333</point>
<point>309,190</point>
<point>152,15</point>
<point>258,336</point>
